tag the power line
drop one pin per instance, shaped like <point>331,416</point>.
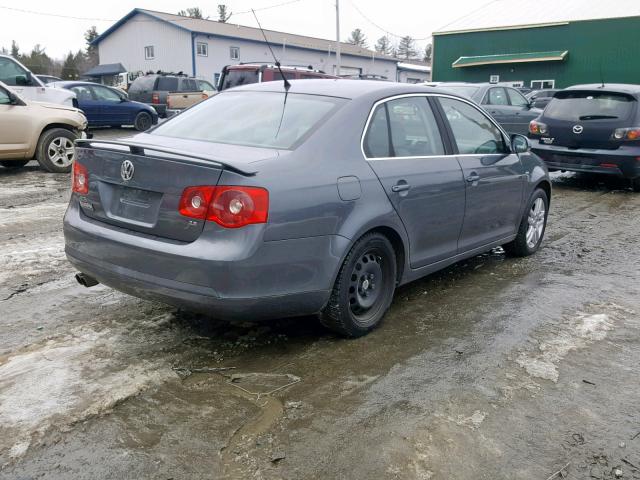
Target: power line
<point>382,28</point>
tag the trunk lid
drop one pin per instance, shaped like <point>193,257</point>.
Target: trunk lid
<point>138,186</point>
<point>588,118</point>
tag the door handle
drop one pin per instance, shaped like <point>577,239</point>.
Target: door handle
<point>474,177</point>
<point>401,187</point>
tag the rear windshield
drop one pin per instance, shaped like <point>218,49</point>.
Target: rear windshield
<point>462,90</point>
<point>577,106</point>
<point>169,84</point>
<point>235,78</point>
<point>256,119</point>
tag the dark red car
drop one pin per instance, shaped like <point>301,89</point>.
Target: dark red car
<point>245,73</point>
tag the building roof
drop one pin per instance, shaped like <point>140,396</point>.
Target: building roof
<point>514,14</point>
<point>231,30</point>
<point>526,57</point>
<point>414,66</point>
<point>105,69</point>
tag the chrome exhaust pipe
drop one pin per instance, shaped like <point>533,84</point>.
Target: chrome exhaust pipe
<point>85,280</point>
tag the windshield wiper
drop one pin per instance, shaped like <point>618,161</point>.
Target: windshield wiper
<point>596,117</point>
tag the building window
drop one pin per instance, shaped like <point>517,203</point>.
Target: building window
<point>202,49</point>
<point>234,53</point>
<point>542,84</point>
<point>149,54</point>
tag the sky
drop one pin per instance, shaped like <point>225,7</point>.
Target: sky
<point>31,22</point>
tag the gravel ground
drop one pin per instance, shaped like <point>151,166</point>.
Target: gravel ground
<point>495,368</point>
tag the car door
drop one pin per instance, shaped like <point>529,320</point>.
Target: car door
<point>404,146</point>
<point>497,104</point>
<point>493,175</point>
<point>113,111</point>
<point>519,113</point>
<point>16,127</point>
<point>88,104</point>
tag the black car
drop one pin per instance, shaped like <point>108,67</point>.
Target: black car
<point>591,128</point>
<point>153,89</point>
<point>541,98</point>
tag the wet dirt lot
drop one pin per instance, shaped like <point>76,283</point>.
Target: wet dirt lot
<point>495,368</point>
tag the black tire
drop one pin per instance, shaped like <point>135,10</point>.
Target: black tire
<point>364,288</point>
<point>49,151</point>
<point>143,121</point>
<point>635,184</point>
<point>13,164</point>
<point>522,246</point>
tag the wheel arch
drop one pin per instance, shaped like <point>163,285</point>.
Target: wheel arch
<point>545,185</point>
<point>45,129</point>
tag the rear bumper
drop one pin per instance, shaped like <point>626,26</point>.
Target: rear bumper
<point>276,279</point>
<point>623,162</point>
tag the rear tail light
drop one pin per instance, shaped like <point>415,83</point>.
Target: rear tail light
<point>80,179</point>
<point>228,206</point>
<point>538,128</point>
<point>155,98</point>
<point>626,134</point>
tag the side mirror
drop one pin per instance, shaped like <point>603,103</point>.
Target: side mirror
<point>520,143</point>
<point>22,80</point>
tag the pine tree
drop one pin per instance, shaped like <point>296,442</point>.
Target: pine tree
<point>357,38</point>
<point>193,12</point>
<point>38,61</point>
<point>70,70</point>
<point>92,51</point>
<point>428,53</point>
<point>407,48</point>
<point>383,46</point>
<point>223,14</point>
<point>15,50</point>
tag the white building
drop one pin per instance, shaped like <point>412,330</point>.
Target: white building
<point>146,40</point>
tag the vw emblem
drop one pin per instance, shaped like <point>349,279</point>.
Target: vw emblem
<point>577,129</point>
<point>126,170</point>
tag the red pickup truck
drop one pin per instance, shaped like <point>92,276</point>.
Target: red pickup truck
<point>245,73</point>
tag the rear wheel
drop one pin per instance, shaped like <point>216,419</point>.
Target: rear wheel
<point>13,164</point>
<point>532,226</point>
<point>364,288</point>
<point>56,150</point>
<point>143,121</point>
<point>635,184</point>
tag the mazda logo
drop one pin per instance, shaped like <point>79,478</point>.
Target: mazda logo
<point>577,129</point>
<point>126,170</point>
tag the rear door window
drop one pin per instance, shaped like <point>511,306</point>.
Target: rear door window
<point>188,85</point>
<point>167,84</point>
<point>414,131</point>
<point>580,106</point>
<point>496,96</point>
<point>473,132</point>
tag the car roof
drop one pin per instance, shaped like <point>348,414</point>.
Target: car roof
<point>339,87</point>
<point>627,88</point>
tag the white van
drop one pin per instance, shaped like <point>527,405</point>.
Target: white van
<point>20,79</point>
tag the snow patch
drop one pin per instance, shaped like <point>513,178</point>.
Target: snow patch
<point>64,381</point>
<point>582,330</point>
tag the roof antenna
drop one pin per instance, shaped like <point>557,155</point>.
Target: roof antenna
<point>287,85</point>
<point>601,75</point>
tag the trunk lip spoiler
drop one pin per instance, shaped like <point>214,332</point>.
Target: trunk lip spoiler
<point>136,148</point>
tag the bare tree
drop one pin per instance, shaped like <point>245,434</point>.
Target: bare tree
<point>383,46</point>
<point>193,12</point>
<point>428,53</point>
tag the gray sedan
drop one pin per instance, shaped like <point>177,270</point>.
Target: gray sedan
<point>319,199</point>
<point>506,104</point>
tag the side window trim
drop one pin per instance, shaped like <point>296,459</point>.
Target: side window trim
<point>385,101</point>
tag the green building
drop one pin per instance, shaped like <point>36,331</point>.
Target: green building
<point>542,45</point>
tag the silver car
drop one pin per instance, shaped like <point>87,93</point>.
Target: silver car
<point>266,201</point>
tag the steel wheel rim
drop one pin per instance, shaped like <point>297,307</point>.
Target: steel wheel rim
<point>536,221</point>
<point>61,152</point>
<point>366,285</point>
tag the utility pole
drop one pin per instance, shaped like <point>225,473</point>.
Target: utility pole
<point>338,37</point>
